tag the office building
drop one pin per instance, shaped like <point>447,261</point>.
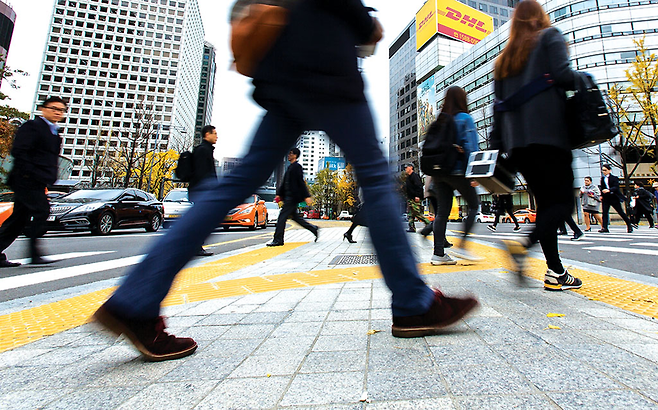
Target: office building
<point>128,69</point>
<point>206,91</point>
<point>7,20</point>
<point>313,146</point>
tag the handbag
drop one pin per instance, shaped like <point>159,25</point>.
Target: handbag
<point>255,26</point>
<point>492,170</point>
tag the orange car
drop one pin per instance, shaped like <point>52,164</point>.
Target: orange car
<point>6,205</point>
<point>252,213</point>
<point>523,216</point>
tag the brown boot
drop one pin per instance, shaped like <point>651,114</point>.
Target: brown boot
<point>444,312</point>
<point>148,336</point>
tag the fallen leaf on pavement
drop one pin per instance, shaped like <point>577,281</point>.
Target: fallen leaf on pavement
<point>372,331</point>
<point>553,327</point>
<point>555,315</point>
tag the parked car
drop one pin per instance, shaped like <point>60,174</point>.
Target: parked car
<point>312,214</point>
<point>344,215</point>
<point>6,205</point>
<point>252,213</point>
<point>273,212</point>
<point>523,216</point>
<point>102,210</point>
<point>484,218</point>
<point>175,203</point>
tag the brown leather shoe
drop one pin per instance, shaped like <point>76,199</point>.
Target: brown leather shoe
<point>444,312</point>
<point>148,336</point>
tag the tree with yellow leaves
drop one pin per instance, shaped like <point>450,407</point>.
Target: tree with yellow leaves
<point>346,187</point>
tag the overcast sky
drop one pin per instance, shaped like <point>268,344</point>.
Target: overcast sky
<point>235,115</point>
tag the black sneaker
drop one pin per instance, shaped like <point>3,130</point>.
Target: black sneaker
<point>577,236</point>
<point>553,281</point>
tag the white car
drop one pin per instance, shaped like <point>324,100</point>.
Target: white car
<point>176,203</point>
<point>344,215</point>
<point>273,211</point>
<point>484,218</point>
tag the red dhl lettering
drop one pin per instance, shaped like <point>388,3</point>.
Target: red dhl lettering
<point>465,19</point>
<point>425,20</point>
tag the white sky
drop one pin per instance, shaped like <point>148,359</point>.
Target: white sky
<point>235,114</point>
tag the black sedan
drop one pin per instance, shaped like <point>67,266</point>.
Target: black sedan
<point>101,210</point>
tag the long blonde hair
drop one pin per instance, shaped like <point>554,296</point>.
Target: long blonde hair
<point>528,20</point>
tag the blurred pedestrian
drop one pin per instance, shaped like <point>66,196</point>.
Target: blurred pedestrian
<point>455,108</point>
<point>535,135</point>
<point>577,232</point>
<point>203,163</point>
<point>414,191</point>
<point>643,204</point>
<point>292,191</point>
<point>358,219</point>
<point>309,80</point>
<point>655,201</point>
<point>35,151</point>
<point>430,195</point>
<point>612,197</point>
<point>590,198</point>
<point>503,203</point>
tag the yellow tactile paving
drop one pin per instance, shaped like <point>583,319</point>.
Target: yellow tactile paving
<point>23,327</point>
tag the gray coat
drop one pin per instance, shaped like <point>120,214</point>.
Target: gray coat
<point>541,120</point>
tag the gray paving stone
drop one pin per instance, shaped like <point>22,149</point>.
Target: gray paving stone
<point>558,375</point>
<point>352,305</point>
<point>222,319</point>
<point>324,388</point>
<point>136,372</point>
<point>63,355</point>
<point>647,350</point>
<point>607,313</point>
<point>241,331</point>
<point>204,333</point>
<point>500,330</point>
<point>314,306</point>
<point>260,366</point>
<point>230,348</point>
<point>206,308</point>
<point>173,395</point>
<point>345,328</point>
<point>18,357</point>
<point>620,337</point>
<point>505,402</point>
<point>307,316</point>
<point>30,399</point>
<point>94,398</point>
<point>442,403</point>
<point>384,340</point>
<point>595,400</point>
<point>450,356</point>
<point>285,346</point>
<point>237,308</point>
<point>348,315</point>
<point>345,361</point>
<point>340,342</point>
<point>414,359</point>
<point>405,385</point>
<point>252,393</point>
<point>485,380</point>
<point>264,317</point>
<point>297,329</point>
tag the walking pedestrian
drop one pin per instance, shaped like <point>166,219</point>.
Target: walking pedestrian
<point>577,232</point>
<point>430,194</point>
<point>358,219</point>
<point>503,203</point>
<point>643,204</point>
<point>612,197</point>
<point>292,191</point>
<point>36,151</point>
<point>535,135</point>
<point>203,162</point>
<point>414,191</point>
<point>455,108</point>
<point>309,79</point>
<point>655,200</point>
<point>590,197</point>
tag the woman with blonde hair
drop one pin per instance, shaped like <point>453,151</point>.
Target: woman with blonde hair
<point>534,135</point>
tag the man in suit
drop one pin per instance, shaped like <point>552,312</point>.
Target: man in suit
<point>415,193</point>
<point>612,197</point>
<point>203,163</point>
<point>36,151</point>
<point>292,191</point>
<point>643,204</point>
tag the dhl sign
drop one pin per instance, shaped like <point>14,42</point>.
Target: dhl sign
<point>453,19</point>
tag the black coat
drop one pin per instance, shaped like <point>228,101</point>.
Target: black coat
<point>293,187</point>
<point>203,162</point>
<point>614,194</point>
<point>314,60</point>
<point>36,152</point>
<point>644,199</point>
<point>414,186</point>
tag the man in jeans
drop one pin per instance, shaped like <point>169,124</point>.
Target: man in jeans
<point>415,193</point>
<point>308,80</point>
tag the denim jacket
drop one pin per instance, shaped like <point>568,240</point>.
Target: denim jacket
<point>467,138</point>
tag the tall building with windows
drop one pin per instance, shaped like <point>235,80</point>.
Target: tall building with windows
<point>125,67</point>
<point>315,145</point>
<point>206,91</point>
<point>7,20</point>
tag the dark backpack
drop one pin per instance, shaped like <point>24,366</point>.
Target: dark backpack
<point>588,120</point>
<point>185,168</point>
<point>439,154</point>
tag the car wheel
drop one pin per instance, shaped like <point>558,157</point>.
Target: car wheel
<point>154,223</point>
<point>255,225</point>
<point>526,221</point>
<point>264,222</point>
<point>105,224</point>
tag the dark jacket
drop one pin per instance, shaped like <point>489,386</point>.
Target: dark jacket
<point>307,66</point>
<point>293,187</point>
<point>541,120</point>
<point>614,194</point>
<point>203,162</point>
<point>644,199</point>
<point>414,186</point>
<point>35,152</point>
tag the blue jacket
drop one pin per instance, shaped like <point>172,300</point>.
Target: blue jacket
<point>467,138</point>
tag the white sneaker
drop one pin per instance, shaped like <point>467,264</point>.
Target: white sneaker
<point>553,281</point>
<point>462,253</point>
<point>442,260</point>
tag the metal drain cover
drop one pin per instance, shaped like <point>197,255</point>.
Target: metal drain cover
<point>354,260</point>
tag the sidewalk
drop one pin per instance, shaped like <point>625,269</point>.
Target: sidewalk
<point>294,327</point>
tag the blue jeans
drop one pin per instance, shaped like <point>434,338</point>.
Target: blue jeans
<point>351,127</point>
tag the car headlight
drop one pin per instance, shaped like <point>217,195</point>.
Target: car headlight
<point>88,207</point>
<point>245,211</point>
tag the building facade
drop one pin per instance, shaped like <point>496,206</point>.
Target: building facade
<point>128,69</point>
<point>7,20</point>
<point>206,91</point>
<point>315,145</point>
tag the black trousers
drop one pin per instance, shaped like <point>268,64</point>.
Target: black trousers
<point>643,212</point>
<point>547,170</point>
<point>572,224</point>
<point>505,206</point>
<point>445,188</point>
<point>289,209</point>
<point>31,210</point>
<point>611,200</point>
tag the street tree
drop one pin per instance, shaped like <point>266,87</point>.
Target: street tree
<point>346,188</point>
<point>323,190</point>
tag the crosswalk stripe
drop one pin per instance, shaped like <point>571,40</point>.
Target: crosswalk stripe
<point>62,256</point>
<point>69,272</point>
<point>645,244</point>
<point>623,250</point>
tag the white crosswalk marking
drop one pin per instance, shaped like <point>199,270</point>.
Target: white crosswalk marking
<point>623,250</point>
<point>62,256</point>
